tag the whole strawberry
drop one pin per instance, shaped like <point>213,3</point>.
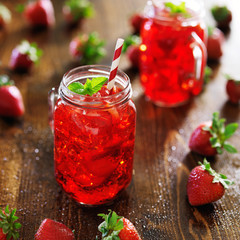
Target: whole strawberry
<point>76,10</point>
<point>52,230</point>
<point>39,13</point>
<point>222,15</point>
<point>133,54</point>
<point>209,138</point>
<point>214,43</point>
<point>24,56</point>
<point>8,225</point>
<point>11,102</point>
<point>5,15</point>
<point>136,21</point>
<point>87,48</point>
<point>205,185</point>
<point>233,90</point>
<point>115,227</point>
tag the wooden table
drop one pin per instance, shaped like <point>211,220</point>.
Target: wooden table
<point>156,200</point>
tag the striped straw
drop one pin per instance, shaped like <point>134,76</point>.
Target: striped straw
<point>115,63</point>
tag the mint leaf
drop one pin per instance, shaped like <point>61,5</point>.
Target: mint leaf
<point>89,88</point>
<point>178,9</point>
<point>130,40</point>
<point>207,74</point>
<point>20,8</point>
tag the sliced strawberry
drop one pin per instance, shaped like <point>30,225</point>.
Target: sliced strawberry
<point>52,230</point>
<point>5,15</point>
<point>222,15</point>
<point>24,55</point>
<point>11,102</point>
<point>116,227</point>
<point>209,138</point>
<point>75,10</point>
<point>233,90</point>
<point>87,48</point>
<point>214,43</point>
<point>205,185</point>
<point>39,13</point>
<point>8,225</point>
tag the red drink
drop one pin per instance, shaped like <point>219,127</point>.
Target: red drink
<point>173,55</point>
<point>94,141</point>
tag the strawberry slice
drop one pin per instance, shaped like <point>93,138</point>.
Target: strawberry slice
<point>209,138</point>
<point>39,13</point>
<point>52,230</point>
<point>8,224</point>
<point>87,48</point>
<point>116,227</point>
<point>24,55</point>
<point>233,89</point>
<point>11,102</point>
<point>74,10</point>
<point>205,185</point>
<point>5,15</point>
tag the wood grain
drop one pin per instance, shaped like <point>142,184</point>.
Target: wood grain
<point>156,200</point>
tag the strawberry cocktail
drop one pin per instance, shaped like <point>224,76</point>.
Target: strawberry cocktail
<point>94,134</point>
<point>173,54</point>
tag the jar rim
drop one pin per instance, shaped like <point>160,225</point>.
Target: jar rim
<point>199,4</point>
<point>90,71</point>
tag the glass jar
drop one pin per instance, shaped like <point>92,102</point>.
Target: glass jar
<point>173,53</point>
<point>93,137</point>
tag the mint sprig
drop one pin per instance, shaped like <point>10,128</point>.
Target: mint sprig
<point>5,81</point>
<point>80,9</point>
<point>8,223</point>
<point>220,134</point>
<point>89,88</point>
<point>31,49</point>
<point>207,74</point>
<point>217,177</point>
<point>111,226</point>
<point>178,9</point>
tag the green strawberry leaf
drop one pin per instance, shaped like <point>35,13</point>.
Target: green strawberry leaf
<point>5,81</point>
<point>20,8</point>
<point>80,9</point>
<point>219,13</point>
<point>130,40</point>
<point>111,226</point>
<point>207,74</point>
<point>220,133</point>
<point>31,50</point>
<point>89,88</point>
<point>217,177</point>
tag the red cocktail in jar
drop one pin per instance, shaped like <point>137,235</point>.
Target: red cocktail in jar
<point>173,54</point>
<point>94,137</point>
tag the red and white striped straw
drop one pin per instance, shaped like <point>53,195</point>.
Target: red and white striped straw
<point>115,63</point>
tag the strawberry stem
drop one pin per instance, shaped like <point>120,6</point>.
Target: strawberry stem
<point>217,177</point>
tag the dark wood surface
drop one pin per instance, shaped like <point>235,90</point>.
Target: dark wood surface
<point>156,200</point>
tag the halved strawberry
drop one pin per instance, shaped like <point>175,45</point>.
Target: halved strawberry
<point>38,13</point>
<point>11,102</point>
<point>209,138</point>
<point>52,230</point>
<point>75,10</point>
<point>5,15</point>
<point>233,90</point>
<point>8,224</point>
<point>205,185</point>
<point>24,55</point>
<point>87,48</point>
<point>222,15</point>
<point>116,227</point>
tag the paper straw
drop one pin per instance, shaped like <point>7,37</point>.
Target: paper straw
<point>115,63</point>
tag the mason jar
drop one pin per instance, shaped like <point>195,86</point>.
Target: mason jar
<point>93,137</point>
